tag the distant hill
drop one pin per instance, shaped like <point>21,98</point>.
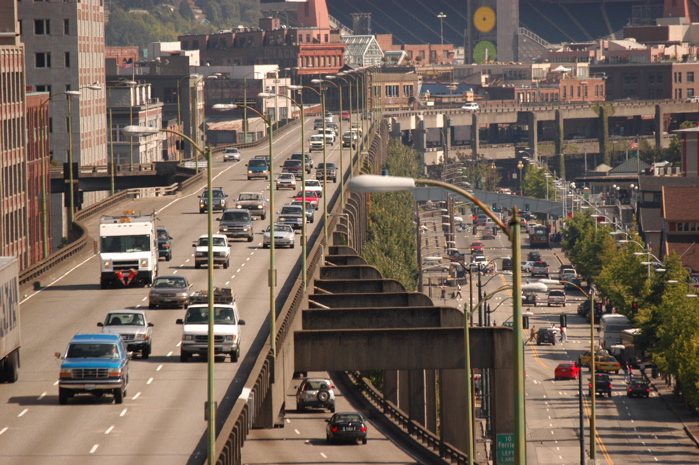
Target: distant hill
<point>139,22</point>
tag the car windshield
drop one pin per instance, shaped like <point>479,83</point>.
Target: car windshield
<point>235,215</point>
<point>121,244</point>
<point>125,318</point>
<point>170,281</point>
<point>347,417</point>
<point>218,241</point>
<point>214,193</point>
<point>257,162</point>
<point>291,209</point>
<point>92,350</point>
<point>292,163</point>
<point>281,227</point>
<point>312,183</point>
<point>163,235</point>
<point>243,197</point>
<point>308,194</point>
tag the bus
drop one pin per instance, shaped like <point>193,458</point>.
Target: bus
<point>631,354</point>
<point>610,327</point>
<point>539,237</point>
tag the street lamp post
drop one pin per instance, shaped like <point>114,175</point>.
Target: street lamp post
<point>272,278</point>
<point>377,183</point>
<point>111,134</point>
<point>328,79</point>
<point>135,131</point>
<point>441,17</point>
<point>520,165</point>
<point>325,163</point>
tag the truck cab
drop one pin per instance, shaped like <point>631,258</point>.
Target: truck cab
<point>221,250</point>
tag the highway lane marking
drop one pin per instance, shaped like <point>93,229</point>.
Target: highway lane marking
<point>94,448</point>
<point>297,431</point>
<point>150,380</point>
<point>123,412</point>
<point>160,367</point>
<point>109,430</point>
<point>21,414</point>
<point>136,396</point>
<point>3,430</point>
<point>323,455</point>
<point>43,394</point>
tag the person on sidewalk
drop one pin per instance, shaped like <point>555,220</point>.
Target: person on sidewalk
<point>458,291</point>
<point>564,336</point>
<point>532,333</point>
<point>444,291</point>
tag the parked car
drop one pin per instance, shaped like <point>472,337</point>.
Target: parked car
<point>254,202</point>
<point>315,393</point>
<point>638,387</point>
<point>350,426</point>
<point>546,336</point>
<point>231,154</point>
<point>603,384</point>
<point>285,181</point>
<point>236,223</point>
<point>567,370</point>
<point>284,236</point>
<point>164,244</point>
<point>133,327</point>
<point>169,291</point>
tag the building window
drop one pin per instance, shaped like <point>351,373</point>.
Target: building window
<point>630,78</point>
<point>67,59</point>
<point>408,91</point>
<point>690,92</point>
<point>391,91</point>
<point>659,79</point>
<point>651,78</point>
<point>300,38</point>
<point>66,27</point>
<point>690,76</point>
<point>43,60</point>
<point>42,27</point>
<point>43,88</point>
<point>445,55</point>
<point>433,55</point>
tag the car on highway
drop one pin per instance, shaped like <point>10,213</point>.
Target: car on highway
<point>471,106</point>
<point>285,181</point>
<point>236,223</point>
<point>258,168</point>
<point>546,336</point>
<point>164,243</point>
<point>221,250</point>
<point>227,330</point>
<point>294,167</point>
<point>308,162</point>
<point>310,211</point>
<point>315,186</point>
<point>133,327</point>
<point>584,359</point>
<point>479,262</point>
<point>169,291</point>
<point>284,236</point>
<point>311,196</point>
<point>477,247</point>
<point>556,297</point>
<point>527,266</point>
<point>347,426</point>
<point>327,171</point>
<point>506,264</point>
<point>292,215</point>
<point>231,154</point>
<point>638,388</point>
<point>220,199</point>
<point>603,384</point>
<point>254,202</point>
<point>534,256</point>
<point>566,370</point>
<point>345,115</point>
<point>315,393</point>
<point>318,123</point>
<point>95,364</point>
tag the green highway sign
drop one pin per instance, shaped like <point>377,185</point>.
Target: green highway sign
<point>505,449</point>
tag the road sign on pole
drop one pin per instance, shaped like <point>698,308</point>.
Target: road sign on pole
<point>505,450</point>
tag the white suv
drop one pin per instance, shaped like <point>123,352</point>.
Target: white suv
<point>471,106</point>
<point>231,154</point>
<point>316,393</point>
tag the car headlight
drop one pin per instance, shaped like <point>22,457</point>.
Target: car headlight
<point>107,264</point>
<point>141,337</point>
<point>187,337</point>
<point>260,207</point>
<point>144,263</point>
<point>238,206</point>
<point>66,373</point>
<point>282,219</point>
<point>247,228</point>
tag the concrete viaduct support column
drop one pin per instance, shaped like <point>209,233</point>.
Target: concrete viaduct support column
<point>636,128</point>
<point>431,400</point>
<point>455,428</point>
<point>416,393</point>
<point>659,128</point>
<point>390,386</point>
<point>420,137</point>
<point>558,142</point>
<point>395,129</point>
<point>475,136</point>
<point>533,134</point>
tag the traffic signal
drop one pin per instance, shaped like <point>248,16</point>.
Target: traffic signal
<point>495,207</point>
<point>526,207</point>
<point>634,308</point>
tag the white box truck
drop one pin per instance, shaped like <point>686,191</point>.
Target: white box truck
<point>128,250</point>
<point>9,320</point>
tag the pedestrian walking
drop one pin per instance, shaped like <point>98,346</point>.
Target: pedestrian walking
<point>532,333</point>
<point>444,291</point>
<point>564,336</point>
<point>458,291</point>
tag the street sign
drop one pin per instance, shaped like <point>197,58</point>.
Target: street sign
<point>505,449</point>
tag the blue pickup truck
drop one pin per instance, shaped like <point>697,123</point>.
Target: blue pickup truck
<point>95,364</point>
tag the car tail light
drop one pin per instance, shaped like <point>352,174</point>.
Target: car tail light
<point>363,429</point>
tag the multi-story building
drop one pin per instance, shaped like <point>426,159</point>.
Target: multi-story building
<point>665,80</point>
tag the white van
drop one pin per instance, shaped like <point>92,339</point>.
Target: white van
<point>471,106</point>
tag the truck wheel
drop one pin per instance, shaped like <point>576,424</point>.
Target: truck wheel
<point>11,370</point>
<point>197,265</point>
<point>104,284</point>
<point>63,396</point>
<point>151,306</point>
<point>263,217</point>
<point>184,356</point>
<point>146,352</point>
<point>225,264</point>
<point>250,239</point>
<point>118,396</point>
<point>235,355</point>
<point>169,257</point>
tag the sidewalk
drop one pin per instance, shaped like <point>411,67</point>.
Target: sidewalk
<point>690,421</point>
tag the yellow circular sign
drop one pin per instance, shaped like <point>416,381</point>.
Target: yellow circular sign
<point>484,19</point>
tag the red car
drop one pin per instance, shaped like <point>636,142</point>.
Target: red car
<point>477,247</point>
<point>568,370</point>
<point>310,197</point>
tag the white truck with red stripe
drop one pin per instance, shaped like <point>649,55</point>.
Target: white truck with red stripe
<point>128,250</point>
<point>9,320</point>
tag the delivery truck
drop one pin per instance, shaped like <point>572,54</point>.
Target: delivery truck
<point>9,320</point>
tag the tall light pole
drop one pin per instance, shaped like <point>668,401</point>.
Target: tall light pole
<point>375,183</point>
<point>441,17</point>
<point>328,79</point>
<point>325,163</point>
<point>272,277</point>
<point>70,94</point>
<point>355,79</point>
<point>136,131</point>
<point>520,165</point>
<point>111,127</point>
